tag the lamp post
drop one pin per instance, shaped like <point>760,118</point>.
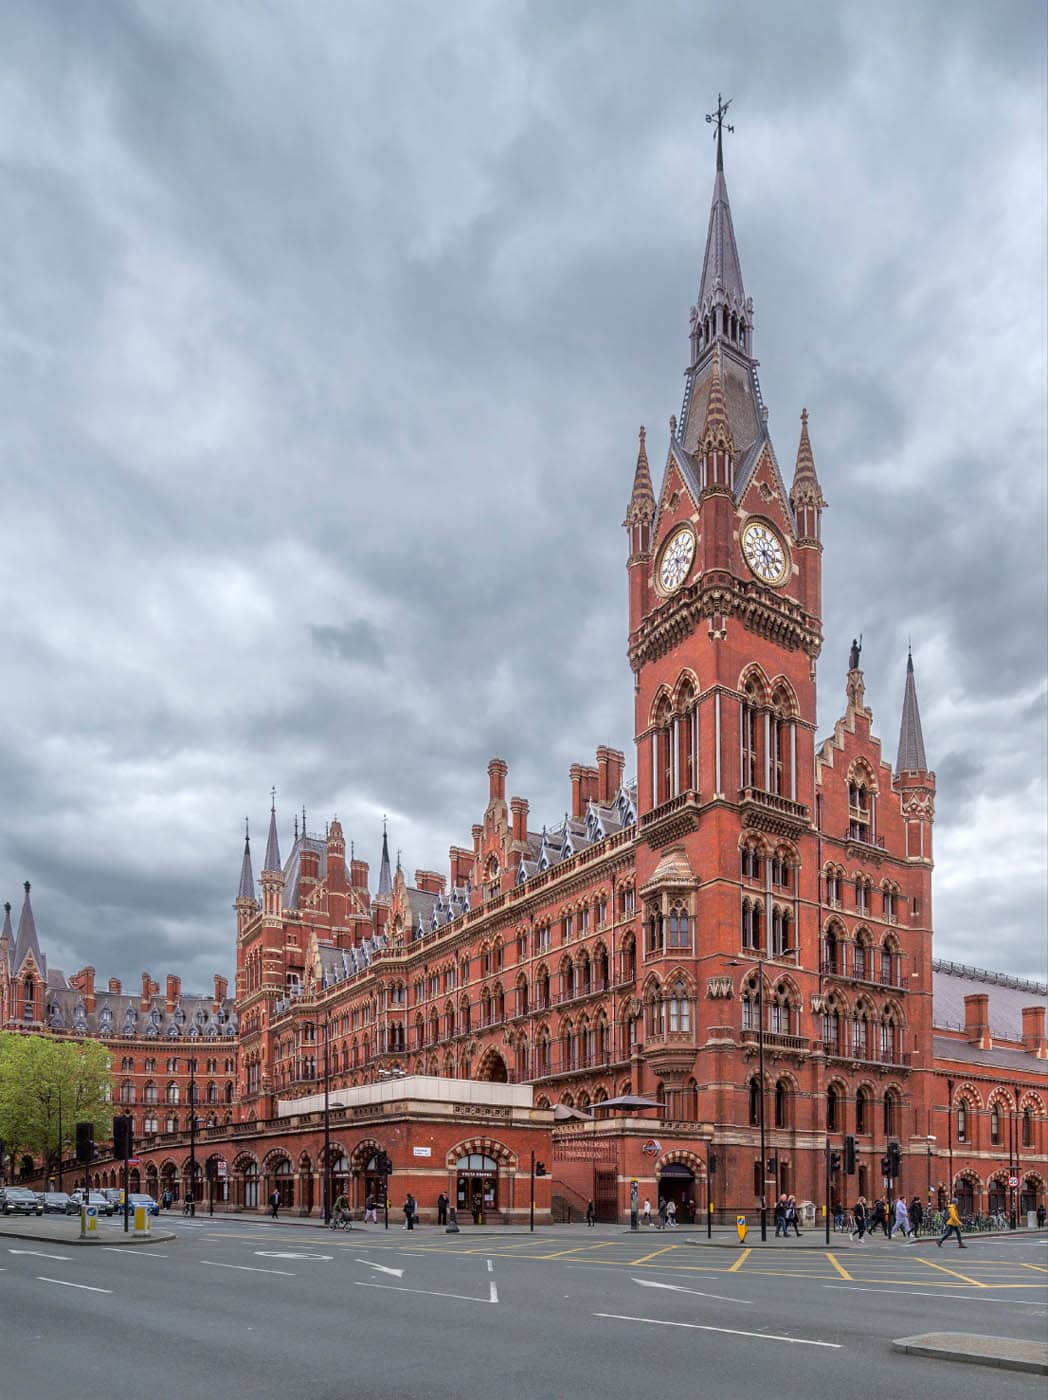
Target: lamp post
<point>327,1121</point>
<point>61,1152</point>
<point>706,1134</point>
<point>931,1149</point>
<point>192,1135</point>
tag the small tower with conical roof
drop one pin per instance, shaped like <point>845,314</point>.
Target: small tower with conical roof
<point>640,513</point>
<point>913,780</point>
<point>246,905</point>
<point>272,870</point>
<point>808,505</point>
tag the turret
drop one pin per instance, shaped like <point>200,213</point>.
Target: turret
<point>808,505</point>
<point>913,781</point>
<point>640,513</point>
<point>272,870</point>
<point>245,903</point>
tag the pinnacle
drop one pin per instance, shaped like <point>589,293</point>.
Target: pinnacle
<point>642,501</point>
<point>805,477</point>
<point>911,756</point>
<point>716,430</point>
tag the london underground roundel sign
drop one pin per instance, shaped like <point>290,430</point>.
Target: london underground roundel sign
<point>652,1147</point>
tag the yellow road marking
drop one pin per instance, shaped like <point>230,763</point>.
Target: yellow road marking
<point>965,1278</point>
<point>653,1255</point>
<point>1039,1267</point>
<point>839,1267</point>
<point>740,1261</point>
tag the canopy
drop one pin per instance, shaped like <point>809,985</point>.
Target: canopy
<point>628,1101</point>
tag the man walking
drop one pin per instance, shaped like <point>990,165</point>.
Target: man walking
<point>779,1215</point>
<point>409,1212</point>
<point>953,1225</point>
<point>442,1209</point>
<point>274,1204</point>
<point>859,1216</point>
<point>371,1210</point>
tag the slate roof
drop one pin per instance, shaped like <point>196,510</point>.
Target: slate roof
<point>293,868</point>
<point>998,1057</point>
<point>26,941</point>
<point>246,889</point>
<point>193,1018</point>
<point>952,982</point>
<point>272,860</point>
<point>911,757</point>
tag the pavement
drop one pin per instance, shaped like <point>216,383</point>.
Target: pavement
<point>1003,1353</point>
<point>284,1308</point>
<point>65,1229</point>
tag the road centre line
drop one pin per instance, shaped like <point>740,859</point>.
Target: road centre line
<point>491,1267</point>
<point>678,1288</point>
<point>946,1297</point>
<point>728,1331</point>
<point>965,1278</point>
<point>39,1254</point>
<point>247,1268</point>
<point>64,1283</point>
<point>838,1266</point>
<point>741,1260</point>
<point>432,1293</point>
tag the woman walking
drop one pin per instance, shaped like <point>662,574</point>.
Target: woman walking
<point>859,1216</point>
<point>953,1225</point>
<point>902,1218</point>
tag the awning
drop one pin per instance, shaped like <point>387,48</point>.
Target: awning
<point>628,1101</point>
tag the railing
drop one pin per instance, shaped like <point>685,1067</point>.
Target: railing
<point>876,843</point>
<point>832,967</point>
<point>776,1039</point>
<point>680,803</point>
<point>772,802</point>
<point>898,1058</point>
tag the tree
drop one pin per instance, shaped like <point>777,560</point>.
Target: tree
<point>42,1080</point>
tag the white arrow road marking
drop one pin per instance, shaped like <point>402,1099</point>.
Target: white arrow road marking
<point>654,1283</point>
<point>247,1268</point>
<point>39,1254</point>
<point>432,1293</point>
<point>397,1273</point>
<point>133,1251</point>
<point>729,1331</point>
<point>66,1284</point>
<point>278,1254</point>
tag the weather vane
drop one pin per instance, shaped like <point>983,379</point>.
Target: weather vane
<point>717,118</point>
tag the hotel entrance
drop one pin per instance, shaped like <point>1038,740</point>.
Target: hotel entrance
<point>477,1188</point>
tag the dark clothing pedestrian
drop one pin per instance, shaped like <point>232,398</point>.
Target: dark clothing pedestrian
<point>859,1216</point>
<point>591,1214</point>
<point>663,1212</point>
<point>442,1209</point>
<point>1040,1217</point>
<point>274,1204</point>
<point>916,1214</point>
<point>791,1217</point>
<point>779,1215</point>
<point>409,1212</point>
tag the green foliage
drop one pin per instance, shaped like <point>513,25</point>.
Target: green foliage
<point>43,1078</point>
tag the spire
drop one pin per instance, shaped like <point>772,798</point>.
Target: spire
<point>27,942</point>
<point>721,282</point>
<point>911,757</point>
<point>247,878</point>
<point>716,430</point>
<point>7,939</point>
<point>272,860</point>
<point>385,877</point>
<point>805,478</point>
<point>642,501</point>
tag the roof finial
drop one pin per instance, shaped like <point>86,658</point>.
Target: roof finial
<point>247,830</point>
<point>272,799</point>
<point>718,116</point>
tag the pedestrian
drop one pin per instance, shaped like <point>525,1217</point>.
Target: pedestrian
<point>859,1216</point>
<point>442,1209</point>
<point>645,1214</point>
<point>371,1209</point>
<point>902,1217</point>
<point>779,1214</point>
<point>409,1212</point>
<point>877,1216</point>
<point>591,1214</point>
<point>838,1217</point>
<point>953,1225</point>
<point>662,1215</point>
<point>791,1217</point>
<point>165,1200</point>
<point>916,1215</point>
<point>274,1204</point>
<point>1040,1216</point>
<point>671,1213</point>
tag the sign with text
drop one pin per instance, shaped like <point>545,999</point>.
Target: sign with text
<point>422,1152</point>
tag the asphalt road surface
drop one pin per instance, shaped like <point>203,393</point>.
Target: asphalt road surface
<point>265,1310</point>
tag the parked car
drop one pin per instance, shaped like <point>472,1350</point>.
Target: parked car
<point>95,1198</point>
<point>57,1203</point>
<point>19,1200</point>
<point>113,1195</point>
<point>140,1199</point>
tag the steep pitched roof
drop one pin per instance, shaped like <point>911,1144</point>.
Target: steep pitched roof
<point>385,875</point>
<point>911,757</point>
<point>26,941</point>
<point>247,878</point>
<point>721,269</point>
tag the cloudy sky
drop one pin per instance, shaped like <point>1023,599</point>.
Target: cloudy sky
<point>325,334</point>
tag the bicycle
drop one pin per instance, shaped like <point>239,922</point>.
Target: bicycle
<point>342,1221</point>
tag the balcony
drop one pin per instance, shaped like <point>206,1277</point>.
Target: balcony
<point>892,1059</point>
<point>671,819</point>
<point>834,967</point>
<point>776,1040</point>
<point>770,812</point>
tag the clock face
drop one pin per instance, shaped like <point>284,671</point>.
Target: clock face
<point>676,559</point>
<point>765,552</point>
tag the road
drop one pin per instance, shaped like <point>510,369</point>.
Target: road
<point>267,1310</point>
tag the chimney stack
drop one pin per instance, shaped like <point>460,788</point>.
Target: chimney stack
<point>1034,1040</point>
<point>221,990</point>
<point>977,1020</point>
<point>497,770</point>
<point>174,992</point>
<point>115,987</point>
<point>429,881</point>
<point>610,766</point>
<point>519,807</point>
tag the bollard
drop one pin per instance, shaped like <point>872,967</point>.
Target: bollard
<point>88,1222</point>
<point>740,1225</point>
<point>142,1219</point>
<point>452,1227</point>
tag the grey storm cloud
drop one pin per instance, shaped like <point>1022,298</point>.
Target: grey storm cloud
<point>325,334</point>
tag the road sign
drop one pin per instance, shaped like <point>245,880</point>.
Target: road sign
<point>1013,1181</point>
<point>221,1166</point>
<point>652,1147</point>
<point>134,1161</point>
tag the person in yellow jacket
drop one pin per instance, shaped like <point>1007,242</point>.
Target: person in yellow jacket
<point>953,1225</point>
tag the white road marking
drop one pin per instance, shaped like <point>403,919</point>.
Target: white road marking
<point>494,1295</point>
<point>940,1291</point>
<point>39,1254</point>
<point>430,1293</point>
<point>655,1283</point>
<point>729,1331</point>
<point>66,1284</point>
<point>491,1267</point>
<point>133,1250</point>
<point>281,1254</point>
<point>247,1268</point>
<point>397,1273</point>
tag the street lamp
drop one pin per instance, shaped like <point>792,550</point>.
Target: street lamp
<point>706,1134</point>
<point>735,962</point>
<point>327,1120</point>
<point>931,1149</point>
<point>192,1136</point>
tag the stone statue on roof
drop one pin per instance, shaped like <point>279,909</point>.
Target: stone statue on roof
<point>856,652</point>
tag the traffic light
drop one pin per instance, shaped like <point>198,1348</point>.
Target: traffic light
<point>849,1154</point>
<point>123,1142</point>
<point>835,1161</point>
<point>773,1166</point>
<point>540,1168</point>
<point>886,1163</point>
<point>385,1166</point>
<point>894,1159</point>
<point>85,1145</point>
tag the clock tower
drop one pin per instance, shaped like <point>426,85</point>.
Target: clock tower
<point>725,629</point>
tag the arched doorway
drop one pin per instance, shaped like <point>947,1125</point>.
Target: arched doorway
<point>492,1068</point>
<point>477,1185</point>
<point>677,1184</point>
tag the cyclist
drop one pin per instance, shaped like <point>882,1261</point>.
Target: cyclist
<point>340,1211</point>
